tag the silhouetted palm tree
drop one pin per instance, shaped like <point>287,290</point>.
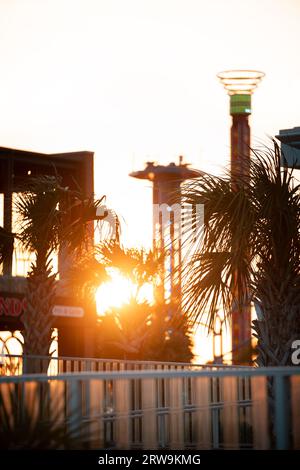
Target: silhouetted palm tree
<point>85,275</point>
<point>124,330</point>
<point>139,265</point>
<point>138,330</point>
<point>170,337</point>
<point>250,252</point>
<point>6,244</point>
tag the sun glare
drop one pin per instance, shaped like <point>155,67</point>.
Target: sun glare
<point>119,290</point>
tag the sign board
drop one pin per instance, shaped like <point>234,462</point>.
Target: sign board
<point>15,305</point>
<point>68,311</point>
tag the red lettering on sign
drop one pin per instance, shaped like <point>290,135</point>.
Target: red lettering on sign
<point>12,306</point>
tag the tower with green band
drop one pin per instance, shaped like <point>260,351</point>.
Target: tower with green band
<point>240,85</point>
<point>240,104</point>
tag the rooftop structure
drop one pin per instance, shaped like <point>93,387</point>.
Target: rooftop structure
<point>290,146</point>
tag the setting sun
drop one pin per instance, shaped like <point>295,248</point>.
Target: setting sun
<point>119,290</point>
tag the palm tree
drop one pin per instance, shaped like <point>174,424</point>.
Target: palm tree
<point>140,266</point>
<point>49,215</point>
<point>170,337</point>
<point>6,244</point>
<point>85,275</point>
<point>250,251</point>
<point>138,330</point>
<point>124,330</point>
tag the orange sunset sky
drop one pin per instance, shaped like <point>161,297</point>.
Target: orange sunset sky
<point>135,80</point>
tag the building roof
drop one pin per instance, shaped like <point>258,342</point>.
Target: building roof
<point>170,171</point>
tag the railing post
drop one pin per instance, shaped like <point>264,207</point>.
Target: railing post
<point>96,414</point>
<point>122,409</point>
<point>230,413</point>
<point>176,413</point>
<point>24,364</point>
<point>57,402</point>
<point>149,423</point>
<point>282,410</point>
<point>74,408</point>
<point>60,366</point>
<point>202,416</point>
<point>162,420</point>
<point>259,398</point>
<point>295,397</point>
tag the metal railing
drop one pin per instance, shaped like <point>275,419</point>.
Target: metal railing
<point>12,364</point>
<point>170,409</point>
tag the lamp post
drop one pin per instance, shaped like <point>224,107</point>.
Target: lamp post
<point>240,84</point>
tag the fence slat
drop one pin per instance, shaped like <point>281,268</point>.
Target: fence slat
<point>74,411</point>
<point>57,400</point>
<point>259,395</point>
<point>295,398</point>
<point>122,409</point>
<point>202,417</point>
<point>176,413</point>
<point>96,414</point>
<point>149,422</point>
<point>281,412</point>
<point>230,413</point>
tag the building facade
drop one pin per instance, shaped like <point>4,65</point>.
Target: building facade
<point>74,322</point>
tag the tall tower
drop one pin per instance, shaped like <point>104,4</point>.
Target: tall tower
<point>240,85</point>
<point>166,181</point>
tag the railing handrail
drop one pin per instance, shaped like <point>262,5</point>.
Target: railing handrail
<point>154,374</point>
<point>121,361</point>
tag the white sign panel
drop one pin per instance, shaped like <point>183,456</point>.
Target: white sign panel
<point>67,311</point>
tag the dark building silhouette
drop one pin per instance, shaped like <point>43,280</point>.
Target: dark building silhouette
<point>290,146</point>
<point>75,322</point>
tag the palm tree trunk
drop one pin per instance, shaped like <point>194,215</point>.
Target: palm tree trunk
<point>38,319</point>
<point>275,332</point>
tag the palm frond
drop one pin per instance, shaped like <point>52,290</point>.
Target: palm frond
<point>250,228</point>
<point>39,217</point>
<point>50,214</point>
<point>138,265</point>
<point>85,275</point>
